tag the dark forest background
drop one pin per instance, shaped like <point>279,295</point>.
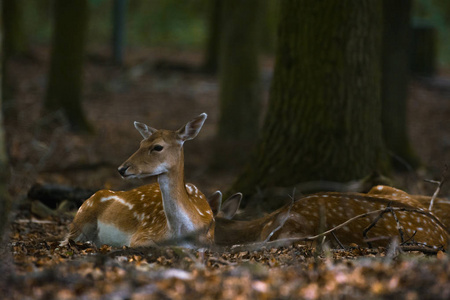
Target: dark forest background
<point>301,96</point>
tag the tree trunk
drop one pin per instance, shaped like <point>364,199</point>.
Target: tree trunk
<point>6,268</point>
<point>424,51</point>
<point>14,43</point>
<point>212,46</point>
<point>239,80</point>
<point>118,32</point>
<point>323,120</point>
<point>64,90</point>
<point>394,83</point>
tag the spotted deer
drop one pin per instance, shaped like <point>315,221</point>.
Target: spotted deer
<point>150,214</point>
<point>303,219</point>
<point>441,206</point>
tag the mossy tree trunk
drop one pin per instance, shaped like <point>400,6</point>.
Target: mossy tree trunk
<point>239,80</point>
<point>323,120</point>
<point>394,83</point>
<point>64,90</point>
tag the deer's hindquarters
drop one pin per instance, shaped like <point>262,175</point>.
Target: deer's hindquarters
<point>411,226</point>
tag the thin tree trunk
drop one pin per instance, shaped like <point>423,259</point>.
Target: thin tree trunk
<point>395,64</point>
<point>5,201</point>
<point>239,80</point>
<point>6,268</point>
<point>323,120</point>
<point>14,43</point>
<point>212,47</point>
<point>64,90</point>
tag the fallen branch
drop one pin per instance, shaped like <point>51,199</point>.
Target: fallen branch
<point>371,225</point>
<point>439,186</point>
<point>399,226</point>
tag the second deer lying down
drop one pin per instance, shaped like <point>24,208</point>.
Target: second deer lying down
<point>414,225</point>
<point>440,209</point>
<point>152,213</point>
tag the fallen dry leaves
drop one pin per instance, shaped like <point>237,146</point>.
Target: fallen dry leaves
<point>45,270</point>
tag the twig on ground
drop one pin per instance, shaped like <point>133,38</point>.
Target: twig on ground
<point>375,221</point>
<point>411,238</point>
<point>399,226</point>
<point>286,217</point>
<point>439,186</point>
<point>337,240</point>
<point>420,248</point>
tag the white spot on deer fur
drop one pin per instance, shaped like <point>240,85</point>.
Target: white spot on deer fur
<point>419,228</point>
<point>189,188</point>
<point>380,187</point>
<point>199,211</point>
<point>142,197</point>
<point>118,199</point>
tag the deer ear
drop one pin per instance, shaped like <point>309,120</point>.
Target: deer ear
<point>215,202</point>
<point>230,206</point>
<point>145,130</point>
<point>192,128</point>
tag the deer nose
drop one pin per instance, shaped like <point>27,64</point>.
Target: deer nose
<point>122,170</point>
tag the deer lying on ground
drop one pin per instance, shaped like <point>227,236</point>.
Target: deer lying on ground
<point>150,214</point>
<point>303,218</point>
<point>441,207</point>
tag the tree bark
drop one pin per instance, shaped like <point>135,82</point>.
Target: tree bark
<point>5,199</point>
<point>64,90</point>
<point>323,120</point>
<point>14,40</point>
<point>118,32</point>
<point>394,83</point>
<point>239,80</point>
<point>211,63</point>
<point>14,44</point>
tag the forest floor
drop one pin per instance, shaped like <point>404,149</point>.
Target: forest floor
<point>164,92</point>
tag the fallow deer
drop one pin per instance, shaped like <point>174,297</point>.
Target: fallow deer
<point>150,214</point>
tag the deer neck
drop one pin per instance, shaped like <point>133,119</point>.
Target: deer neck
<point>176,201</point>
<point>232,232</point>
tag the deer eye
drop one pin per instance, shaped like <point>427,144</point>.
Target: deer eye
<point>157,148</point>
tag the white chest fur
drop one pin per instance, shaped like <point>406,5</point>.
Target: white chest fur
<point>111,235</point>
